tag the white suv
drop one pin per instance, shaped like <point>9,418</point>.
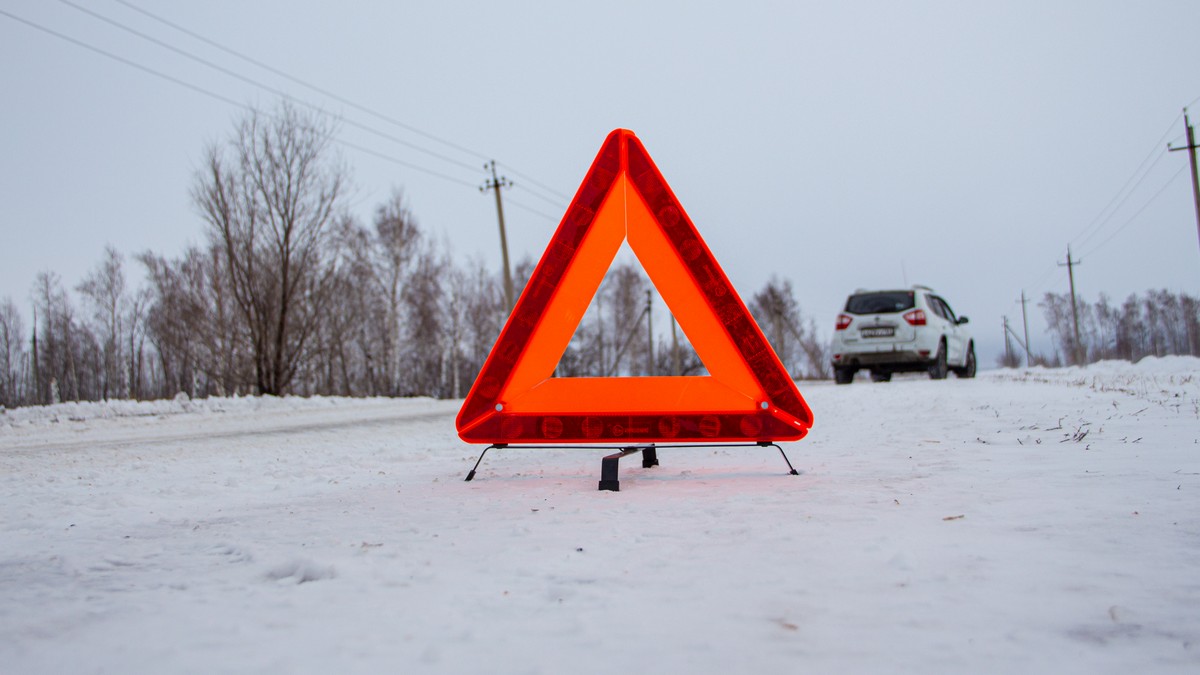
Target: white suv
<point>898,331</point>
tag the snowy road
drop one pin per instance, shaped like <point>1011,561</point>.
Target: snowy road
<point>1041,521</point>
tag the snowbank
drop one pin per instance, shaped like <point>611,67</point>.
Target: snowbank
<point>180,405</point>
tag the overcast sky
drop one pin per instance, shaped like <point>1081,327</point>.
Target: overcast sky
<point>962,145</point>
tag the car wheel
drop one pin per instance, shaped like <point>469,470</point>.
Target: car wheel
<point>938,370</point>
<point>881,376</point>
<point>843,375</point>
<point>968,370</point>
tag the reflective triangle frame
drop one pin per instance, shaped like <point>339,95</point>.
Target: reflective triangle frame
<point>748,396</point>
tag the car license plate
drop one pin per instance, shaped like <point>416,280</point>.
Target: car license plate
<point>878,332</point>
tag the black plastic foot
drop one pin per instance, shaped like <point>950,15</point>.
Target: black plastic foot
<point>609,468</point>
<point>649,458</point>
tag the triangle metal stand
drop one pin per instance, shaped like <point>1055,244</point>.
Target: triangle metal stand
<point>610,465</point>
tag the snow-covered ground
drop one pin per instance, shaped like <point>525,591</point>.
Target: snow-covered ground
<point>1026,521</point>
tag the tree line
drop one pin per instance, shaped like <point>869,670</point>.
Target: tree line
<point>1157,323</point>
<point>291,294</point>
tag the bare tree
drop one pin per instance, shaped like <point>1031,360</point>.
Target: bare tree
<point>60,341</point>
<point>484,313</point>
<point>104,290</point>
<point>269,197</point>
<point>1159,324</point>
<point>797,342</point>
<point>1056,307</point>
<point>201,344</point>
<point>12,355</point>
<point>422,353</point>
<point>624,295</point>
<point>382,261</point>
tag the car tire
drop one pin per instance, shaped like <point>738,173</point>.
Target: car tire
<point>881,376</point>
<point>843,375</point>
<point>939,369</point>
<point>968,369</point>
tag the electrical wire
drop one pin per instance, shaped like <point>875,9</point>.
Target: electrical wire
<point>1134,217</point>
<point>1118,200</point>
<point>263,86</point>
<point>1097,224</point>
<point>343,100</point>
<point>324,92</point>
<point>548,200</point>
<point>303,83</point>
<point>211,94</point>
<point>395,160</point>
<point>1043,282</point>
<point>123,60</point>
<point>543,186</point>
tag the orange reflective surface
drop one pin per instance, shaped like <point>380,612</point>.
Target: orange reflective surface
<point>747,396</point>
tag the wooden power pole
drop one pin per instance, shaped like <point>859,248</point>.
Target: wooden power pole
<point>1008,357</point>
<point>1191,148</point>
<point>649,336</point>
<point>495,184</point>
<point>1025,320</point>
<point>675,369</point>
<point>1070,265</point>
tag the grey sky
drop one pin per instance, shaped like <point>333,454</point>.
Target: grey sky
<point>839,145</point>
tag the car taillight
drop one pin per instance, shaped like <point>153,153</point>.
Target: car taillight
<point>843,322</point>
<point>915,317</point>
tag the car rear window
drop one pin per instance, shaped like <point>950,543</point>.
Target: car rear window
<point>882,302</point>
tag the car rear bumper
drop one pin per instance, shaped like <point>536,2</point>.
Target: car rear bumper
<point>893,360</point>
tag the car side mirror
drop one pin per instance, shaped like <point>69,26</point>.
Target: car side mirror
<point>962,320</point>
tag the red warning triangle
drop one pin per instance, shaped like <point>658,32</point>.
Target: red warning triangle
<point>747,396</point>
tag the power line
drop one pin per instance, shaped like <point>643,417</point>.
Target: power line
<point>303,83</point>
<point>325,92</point>
<point>543,186</point>
<point>1098,224</point>
<point>1118,200</point>
<point>123,60</point>
<point>263,86</point>
<point>211,94</point>
<point>401,162</point>
<point>348,102</point>
<point>533,210</point>
<point>1041,283</point>
<point>1139,211</point>
<point>548,200</point>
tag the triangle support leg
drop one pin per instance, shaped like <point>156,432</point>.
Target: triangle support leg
<point>791,470</point>
<point>471,474</point>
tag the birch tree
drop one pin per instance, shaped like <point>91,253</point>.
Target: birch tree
<point>269,197</point>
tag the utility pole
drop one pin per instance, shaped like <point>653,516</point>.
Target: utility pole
<point>600,331</point>
<point>1070,265</point>
<point>675,369</point>
<point>1191,148</point>
<point>650,335</point>
<point>1010,333</point>
<point>1008,357</point>
<point>1025,320</point>
<point>37,384</point>
<point>495,184</point>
